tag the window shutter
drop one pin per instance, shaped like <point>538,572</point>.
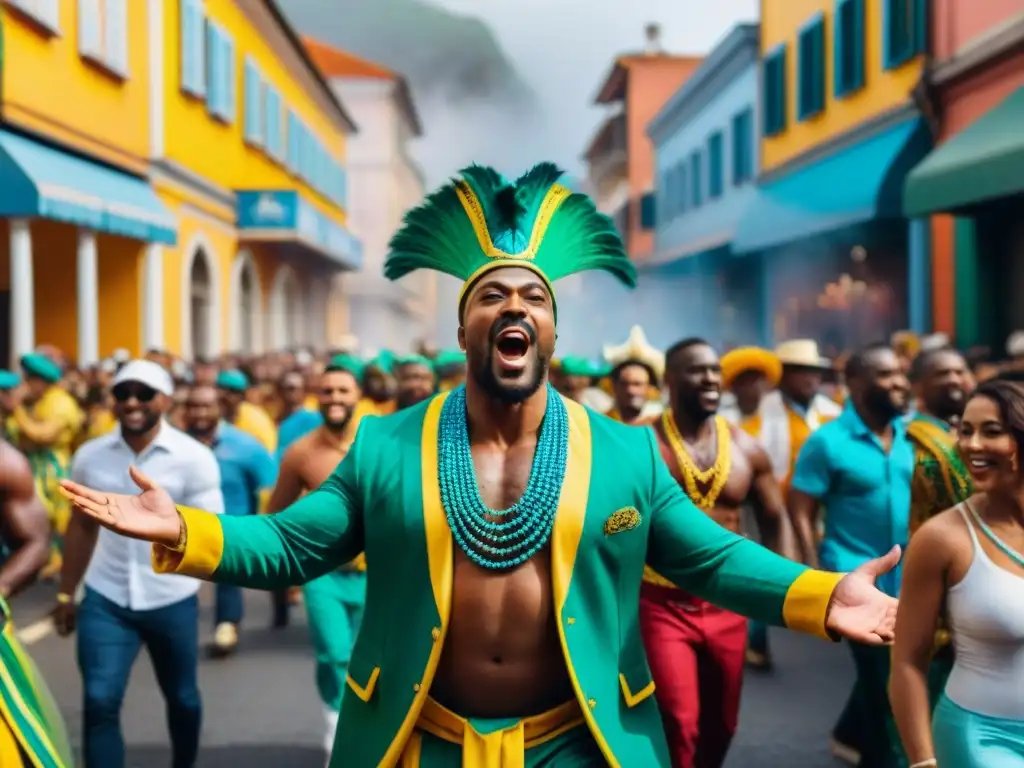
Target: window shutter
<point>214,79</point>
<point>200,76</point>
<point>116,21</point>
<point>230,78</point>
<point>90,41</point>
<point>48,12</point>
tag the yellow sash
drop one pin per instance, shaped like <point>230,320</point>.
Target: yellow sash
<point>501,749</point>
<point>10,751</point>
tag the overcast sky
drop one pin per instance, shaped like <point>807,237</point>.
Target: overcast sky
<point>564,48</point>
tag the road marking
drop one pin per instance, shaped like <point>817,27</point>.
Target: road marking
<point>35,632</point>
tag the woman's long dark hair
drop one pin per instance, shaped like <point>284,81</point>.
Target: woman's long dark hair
<point>1009,399</point>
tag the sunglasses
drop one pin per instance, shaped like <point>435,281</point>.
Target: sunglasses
<point>124,392</point>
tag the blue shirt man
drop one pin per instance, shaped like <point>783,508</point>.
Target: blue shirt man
<point>859,469</point>
<point>865,489</point>
<point>248,473</point>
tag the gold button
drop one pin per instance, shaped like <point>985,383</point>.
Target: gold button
<point>435,633</point>
<point>592,703</point>
<point>416,687</point>
<point>571,620</point>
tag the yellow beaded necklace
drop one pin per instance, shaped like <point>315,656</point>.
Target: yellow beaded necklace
<point>717,474</point>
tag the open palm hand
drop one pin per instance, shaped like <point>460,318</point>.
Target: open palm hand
<point>859,610</point>
<point>150,515</point>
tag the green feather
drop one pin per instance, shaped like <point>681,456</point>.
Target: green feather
<point>439,235</point>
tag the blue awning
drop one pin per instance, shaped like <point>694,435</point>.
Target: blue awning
<point>284,216</point>
<point>37,180</point>
<point>851,186</point>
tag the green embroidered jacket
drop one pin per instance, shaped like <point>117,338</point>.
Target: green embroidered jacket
<point>619,509</point>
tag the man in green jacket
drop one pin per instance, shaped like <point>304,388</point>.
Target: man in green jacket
<point>505,527</point>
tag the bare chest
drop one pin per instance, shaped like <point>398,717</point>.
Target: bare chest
<point>502,476</point>
<point>707,466</point>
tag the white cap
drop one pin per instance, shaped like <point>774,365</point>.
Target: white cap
<point>146,372</point>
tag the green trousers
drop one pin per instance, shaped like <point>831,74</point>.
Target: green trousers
<point>334,608</point>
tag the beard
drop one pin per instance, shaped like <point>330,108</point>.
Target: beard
<point>880,403</point>
<point>527,382</point>
<point>148,423</point>
<point>689,403</point>
<point>339,424</point>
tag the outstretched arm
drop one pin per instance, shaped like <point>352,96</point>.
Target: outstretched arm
<point>307,539</point>
<point>694,552</point>
<point>314,535</point>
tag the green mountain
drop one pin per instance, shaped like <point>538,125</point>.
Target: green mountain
<point>445,56</point>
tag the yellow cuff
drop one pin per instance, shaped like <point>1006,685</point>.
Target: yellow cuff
<point>807,599</point>
<point>264,500</point>
<point>204,547</point>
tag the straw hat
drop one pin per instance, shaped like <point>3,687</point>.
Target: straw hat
<point>802,353</point>
<point>750,359</point>
<point>636,349</point>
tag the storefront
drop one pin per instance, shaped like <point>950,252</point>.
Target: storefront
<point>831,240</point>
<point>973,187</point>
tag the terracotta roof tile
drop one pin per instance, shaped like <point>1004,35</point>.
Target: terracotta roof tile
<point>335,63</point>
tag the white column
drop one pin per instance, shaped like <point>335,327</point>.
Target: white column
<point>23,311</point>
<point>153,297</point>
<point>88,299</point>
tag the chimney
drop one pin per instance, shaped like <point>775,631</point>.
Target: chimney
<point>652,32</point>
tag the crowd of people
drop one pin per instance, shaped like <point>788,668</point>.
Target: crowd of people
<point>513,559</point>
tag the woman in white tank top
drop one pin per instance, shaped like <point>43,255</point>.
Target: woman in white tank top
<point>968,562</point>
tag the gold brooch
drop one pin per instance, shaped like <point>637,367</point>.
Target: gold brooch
<point>626,519</point>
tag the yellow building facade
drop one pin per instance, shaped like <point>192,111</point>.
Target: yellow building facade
<point>171,176</point>
<point>839,129</point>
<point>879,81</point>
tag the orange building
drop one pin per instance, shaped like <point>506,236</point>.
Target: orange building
<point>620,157</point>
<point>971,184</point>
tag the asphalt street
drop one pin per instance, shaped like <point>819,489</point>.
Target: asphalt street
<point>261,708</point>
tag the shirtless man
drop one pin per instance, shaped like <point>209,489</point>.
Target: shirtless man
<point>471,631</point>
<point>24,528</point>
<point>334,602</point>
<point>25,542</point>
<point>696,651</point>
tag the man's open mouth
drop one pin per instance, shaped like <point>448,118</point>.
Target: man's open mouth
<point>512,345</point>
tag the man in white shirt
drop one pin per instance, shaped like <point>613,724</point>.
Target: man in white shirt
<point>126,605</point>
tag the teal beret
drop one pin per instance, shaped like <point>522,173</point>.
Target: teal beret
<point>34,364</point>
<point>234,381</point>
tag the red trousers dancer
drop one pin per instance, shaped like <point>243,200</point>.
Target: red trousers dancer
<point>696,653</point>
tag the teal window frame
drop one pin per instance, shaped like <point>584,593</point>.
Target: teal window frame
<point>742,146</point>
<point>682,191</point>
<point>915,14</point>
<point>716,165</point>
<point>696,179</point>
<point>810,68</point>
<point>648,211</point>
<point>665,191</point>
<point>848,47</point>
<point>773,91</point>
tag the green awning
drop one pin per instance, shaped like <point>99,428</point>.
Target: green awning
<point>983,162</point>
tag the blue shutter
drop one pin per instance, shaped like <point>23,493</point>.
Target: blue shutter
<point>199,58</point>
<point>212,70</point>
<point>116,23</point>
<point>187,51</point>
<point>230,75</point>
<point>90,40</point>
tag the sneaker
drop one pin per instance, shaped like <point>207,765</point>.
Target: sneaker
<point>225,638</point>
<point>843,752</point>
<point>760,662</point>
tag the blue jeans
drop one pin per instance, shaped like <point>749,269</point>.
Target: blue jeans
<point>230,605</point>
<point>109,640</point>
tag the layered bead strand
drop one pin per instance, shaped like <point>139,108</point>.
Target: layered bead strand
<point>506,538</point>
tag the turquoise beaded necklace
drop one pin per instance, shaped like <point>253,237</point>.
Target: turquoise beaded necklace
<point>500,539</point>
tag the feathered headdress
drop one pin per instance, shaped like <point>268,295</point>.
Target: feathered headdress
<point>637,350</point>
<point>481,222</point>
